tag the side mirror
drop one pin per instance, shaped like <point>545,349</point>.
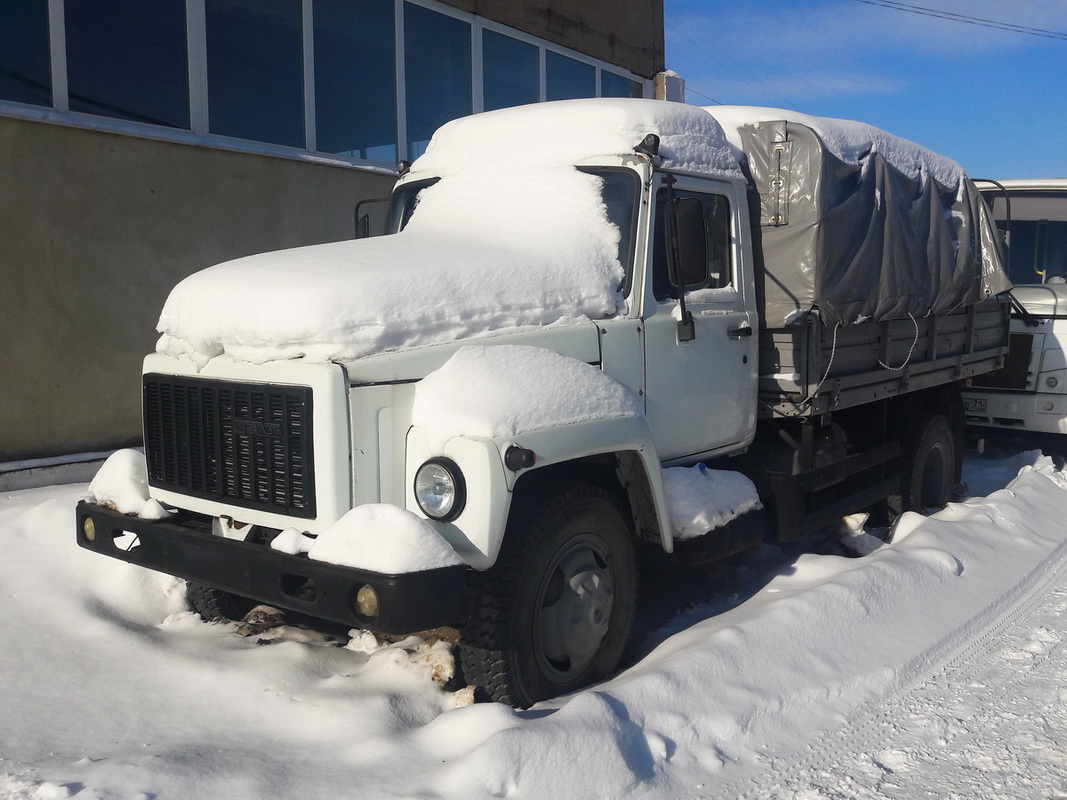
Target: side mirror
<point>687,243</point>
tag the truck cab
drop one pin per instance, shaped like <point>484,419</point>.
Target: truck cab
<point>1029,396</point>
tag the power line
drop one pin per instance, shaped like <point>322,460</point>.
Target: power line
<point>689,88</point>
<point>698,43</point>
<point>980,21</point>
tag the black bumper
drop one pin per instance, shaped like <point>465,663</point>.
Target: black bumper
<point>185,547</point>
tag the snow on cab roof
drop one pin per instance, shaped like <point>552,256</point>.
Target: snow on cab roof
<point>568,131</point>
<point>511,235</point>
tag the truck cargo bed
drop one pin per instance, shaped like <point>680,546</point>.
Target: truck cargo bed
<point>809,368</point>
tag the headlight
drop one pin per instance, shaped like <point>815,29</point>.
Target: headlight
<point>439,489</point>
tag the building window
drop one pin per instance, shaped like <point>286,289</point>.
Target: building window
<point>437,73</point>
<point>355,78</point>
<point>255,70</point>
<point>612,85</point>
<point>568,78</point>
<point>511,71</point>
<point>314,75</point>
<point>25,69</point>
<point>128,59</point>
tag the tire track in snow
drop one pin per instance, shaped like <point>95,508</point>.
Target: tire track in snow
<point>953,658</point>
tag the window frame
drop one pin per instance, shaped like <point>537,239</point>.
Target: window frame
<point>663,288</point>
<point>629,265</point>
<point>199,129</point>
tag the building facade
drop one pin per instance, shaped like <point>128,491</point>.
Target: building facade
<point>143,140</point>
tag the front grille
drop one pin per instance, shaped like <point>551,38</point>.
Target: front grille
<point>1016,371</point>
<point>248,445</point>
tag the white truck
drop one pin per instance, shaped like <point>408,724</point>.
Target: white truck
<point>1028,398</point>
<point>590,317</point>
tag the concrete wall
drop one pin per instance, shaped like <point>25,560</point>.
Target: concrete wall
<point>627,33</point>
<point>95,228</point>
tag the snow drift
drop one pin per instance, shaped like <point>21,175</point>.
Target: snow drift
<point>113,689</point>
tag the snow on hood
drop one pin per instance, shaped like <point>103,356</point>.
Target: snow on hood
<point>511,235</point>
<point>848,140</point>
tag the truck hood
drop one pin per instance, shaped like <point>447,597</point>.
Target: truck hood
<point>1043,300</point>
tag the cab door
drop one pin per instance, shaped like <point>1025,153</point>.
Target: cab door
<point>700,382</point>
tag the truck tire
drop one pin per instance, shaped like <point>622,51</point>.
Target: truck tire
<point>554,612</point>
<point>215,605</point>
<point>928,465</point>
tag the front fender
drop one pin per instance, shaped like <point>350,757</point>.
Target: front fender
<point>477,533</point>
<point>628,434</point>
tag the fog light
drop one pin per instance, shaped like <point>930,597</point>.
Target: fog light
<point>1051,383</point>
<point>89,529</point>
<point>367,602</point>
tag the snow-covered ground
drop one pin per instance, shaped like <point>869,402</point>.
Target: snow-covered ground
<point>932,667</point>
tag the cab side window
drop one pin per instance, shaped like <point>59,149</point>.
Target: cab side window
<point>717,225</point>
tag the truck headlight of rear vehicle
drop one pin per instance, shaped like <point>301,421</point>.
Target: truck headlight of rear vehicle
<point>440,490</point>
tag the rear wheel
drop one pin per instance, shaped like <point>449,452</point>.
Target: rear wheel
<point>215,605</point>
<point>555,611</point>
<point>928,465</point>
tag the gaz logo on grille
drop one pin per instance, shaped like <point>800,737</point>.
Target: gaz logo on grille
<point>255,427</point>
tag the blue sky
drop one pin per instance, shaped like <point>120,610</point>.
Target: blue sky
<point>992,100</point>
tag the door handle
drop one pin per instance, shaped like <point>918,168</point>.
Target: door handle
<point>741,330</point>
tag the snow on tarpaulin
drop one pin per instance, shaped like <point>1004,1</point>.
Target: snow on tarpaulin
<point>509,389</point>
<point>511,235</point>
<point>859,223</point>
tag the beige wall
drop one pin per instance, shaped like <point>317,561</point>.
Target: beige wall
<point>628,34</point>
<point>94,230</point>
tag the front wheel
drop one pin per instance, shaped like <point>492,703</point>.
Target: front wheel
<point>555,611</point>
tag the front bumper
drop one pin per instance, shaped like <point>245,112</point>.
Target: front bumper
<point>184,546</point>
<point>1018,411</point>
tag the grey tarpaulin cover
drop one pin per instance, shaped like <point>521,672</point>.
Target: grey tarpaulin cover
<point>863,240</point>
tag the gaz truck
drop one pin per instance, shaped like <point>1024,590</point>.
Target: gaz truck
<point>1027,400</point>
<point>594,327</point>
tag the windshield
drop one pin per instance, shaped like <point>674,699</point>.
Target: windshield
<point>1037,239</point>
<point>618,189</point>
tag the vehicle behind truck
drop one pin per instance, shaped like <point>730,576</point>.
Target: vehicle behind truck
<point>592,324</point>
<point>1028,398</point>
